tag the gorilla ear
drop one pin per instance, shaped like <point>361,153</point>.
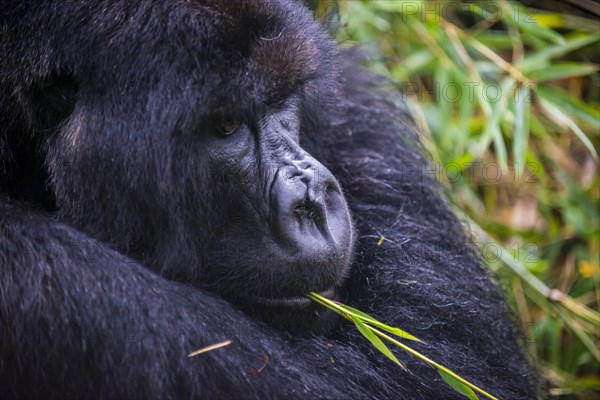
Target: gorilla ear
<point>58,93</point>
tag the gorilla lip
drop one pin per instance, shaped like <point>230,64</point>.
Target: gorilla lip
<point>294,302</point>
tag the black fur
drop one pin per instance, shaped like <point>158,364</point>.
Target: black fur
<point>97,255</point>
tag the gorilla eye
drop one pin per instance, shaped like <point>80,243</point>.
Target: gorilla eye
<point>228,127</point>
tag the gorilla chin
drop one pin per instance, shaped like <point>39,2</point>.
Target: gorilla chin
<point>298,315</point>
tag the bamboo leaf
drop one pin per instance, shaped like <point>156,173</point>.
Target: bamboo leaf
<point>562,70</point>
<point>538,31</point>
<point>539,57</point>
<point>492,127</point>
<point>374,336</point>
<point>568,103</point>
<point>500,148</point>
<point>521,126</point>
<point>352,310</point>
<point>552,20</point>
<point>372,321</point>
<point>566,21</point>
<point>375,341</point>
<point>458,386</point>
<point>554,113</point>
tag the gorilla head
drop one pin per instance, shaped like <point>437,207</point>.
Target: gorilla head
<point>215,189</point>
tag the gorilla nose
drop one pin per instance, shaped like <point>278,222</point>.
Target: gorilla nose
<point>315,178</point>
<point>307,209</point>
<point>301,189</point>
<point>299,168</point>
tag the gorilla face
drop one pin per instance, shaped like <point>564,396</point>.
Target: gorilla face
<point>214,189</point>
<point>285,224</point>
<point>282,228</point>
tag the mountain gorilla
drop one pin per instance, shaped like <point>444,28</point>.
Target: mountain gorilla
<point>161,193</point>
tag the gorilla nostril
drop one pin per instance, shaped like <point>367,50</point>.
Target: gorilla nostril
<point>331,188</point>
<point>305,164</point>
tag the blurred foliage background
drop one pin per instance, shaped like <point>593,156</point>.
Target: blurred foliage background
<point>508,95</point>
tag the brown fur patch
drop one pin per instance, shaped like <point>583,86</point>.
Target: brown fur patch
<point>269,55</point>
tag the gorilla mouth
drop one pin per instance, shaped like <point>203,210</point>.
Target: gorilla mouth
<point>295,303</point>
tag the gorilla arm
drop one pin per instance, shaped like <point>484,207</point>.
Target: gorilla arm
<point>72,307</point>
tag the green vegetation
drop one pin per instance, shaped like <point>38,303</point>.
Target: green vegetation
<point>372,329</point>
<point>509,99</point>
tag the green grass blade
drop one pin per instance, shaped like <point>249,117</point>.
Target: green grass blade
<point>521,126</point>
<point>352,310</point>
<point>458,386</point>
<point>375,341</point>
<point>500,148</point>
<point>561,118</point>
<point>492,128</point>
<point>539,31</point>
<point>372,321</point>
<point>540,57</point>
<point>570,104</point>
<point>374,336</point>
<point>563,70</point>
